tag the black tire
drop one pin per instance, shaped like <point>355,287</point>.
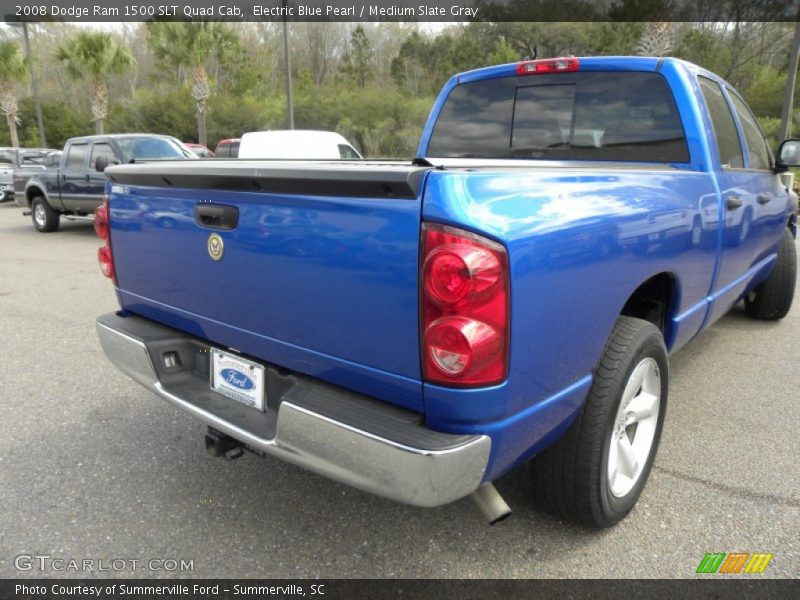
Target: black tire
<point>44,218</point>
<point>572,476</point>
<point>772,299</point>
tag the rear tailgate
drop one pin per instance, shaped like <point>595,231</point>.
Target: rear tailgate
<point>319,274</point>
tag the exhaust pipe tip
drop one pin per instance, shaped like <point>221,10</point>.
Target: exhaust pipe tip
<point>491,503</point>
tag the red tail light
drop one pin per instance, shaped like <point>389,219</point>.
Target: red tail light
<point>101,220</point>
<point>549,65</point>
<point>101,228</point>
<point>106,261</point>
<point>465,297</point>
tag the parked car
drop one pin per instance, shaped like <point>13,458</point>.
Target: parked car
<point>14,161</point>
<point>74,186</point>
<point>296,143</point>
<point>7,160</point>
<point>393,326</point>
<point>227,148</point>
<point>199,150</point>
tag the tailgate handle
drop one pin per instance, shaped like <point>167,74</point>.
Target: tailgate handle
<point>216,216</point>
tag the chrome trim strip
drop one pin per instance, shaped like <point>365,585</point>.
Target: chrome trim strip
<point>331,448</point>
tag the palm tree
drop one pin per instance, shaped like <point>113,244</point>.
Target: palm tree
<point>656,39</point>
<point>12,70</point>
<point>191,45</point>
<point>96,56</point>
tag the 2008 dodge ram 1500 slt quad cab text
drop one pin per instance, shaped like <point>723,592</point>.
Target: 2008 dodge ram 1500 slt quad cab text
<point>418,329</point>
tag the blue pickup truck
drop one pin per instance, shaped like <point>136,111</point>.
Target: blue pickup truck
<point>418,329</point>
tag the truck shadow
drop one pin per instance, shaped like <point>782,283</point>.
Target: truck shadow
<point>75,229</point>
<point>157,489</point>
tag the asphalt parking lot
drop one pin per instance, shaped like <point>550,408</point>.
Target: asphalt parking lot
<point>93,466</point>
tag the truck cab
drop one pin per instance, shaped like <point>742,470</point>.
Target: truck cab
<point>74,188</point>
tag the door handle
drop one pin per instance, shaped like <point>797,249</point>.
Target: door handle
<point>216,216</point>
<point>733,202</point>
<point>764,198</point>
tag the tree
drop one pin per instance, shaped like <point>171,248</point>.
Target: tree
<point>409,66</point>
<point>193,45</point>
<point>359,57</point>
<point>656,39</point>
<point>96,56</point>
<point>318,47</point>
<point>12,70</point>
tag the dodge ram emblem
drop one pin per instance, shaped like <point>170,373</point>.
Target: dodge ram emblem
<point>215,246</point>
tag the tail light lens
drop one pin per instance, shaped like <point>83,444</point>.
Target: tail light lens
<point>549,65</point>
<point>465,297</point>
<point>103,231</point>
<point>101,220</point>
<point>106,261</point>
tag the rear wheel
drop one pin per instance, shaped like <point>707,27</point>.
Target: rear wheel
<point>772,299</point>
<point>595,474</point>
<point>45,219</point>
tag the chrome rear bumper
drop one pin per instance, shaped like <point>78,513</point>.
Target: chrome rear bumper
<point>347,437</point>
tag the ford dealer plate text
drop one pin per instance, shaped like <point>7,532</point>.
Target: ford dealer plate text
<point>237,378</point>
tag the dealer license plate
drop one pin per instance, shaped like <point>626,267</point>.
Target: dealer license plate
<point>237,378</point>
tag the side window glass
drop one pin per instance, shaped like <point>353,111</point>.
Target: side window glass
<point>757,147</point>
<point>728,143</point>
<point>347,152</point>
<point>104,150</point>
<point>76,156</point>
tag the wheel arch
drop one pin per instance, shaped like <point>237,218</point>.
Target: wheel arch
<point>654,300</point>
<point>33,190</point>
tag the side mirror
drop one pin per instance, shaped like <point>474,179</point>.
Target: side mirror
<point>101,163</point>
<point>788,155</point>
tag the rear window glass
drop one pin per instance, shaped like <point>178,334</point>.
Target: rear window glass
<point>32,159</point>
<point>566,116</point>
